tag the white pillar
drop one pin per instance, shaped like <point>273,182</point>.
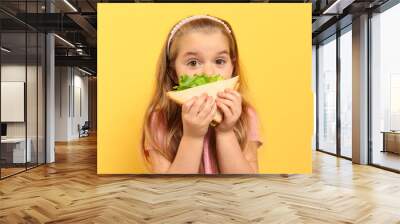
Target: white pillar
<point>50,92</point>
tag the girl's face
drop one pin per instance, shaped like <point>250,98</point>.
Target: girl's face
<point>200,52</point>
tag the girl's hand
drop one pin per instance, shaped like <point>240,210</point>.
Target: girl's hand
<point>230,103</point>
<point>197,113</point>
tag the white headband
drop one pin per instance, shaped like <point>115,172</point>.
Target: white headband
<point>189,19</point>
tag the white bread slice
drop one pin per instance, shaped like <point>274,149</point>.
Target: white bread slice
<point>180,97</point>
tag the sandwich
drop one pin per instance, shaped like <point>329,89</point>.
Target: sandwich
<point>190,86</point>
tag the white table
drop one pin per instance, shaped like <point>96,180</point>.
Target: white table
<point>19,155</point>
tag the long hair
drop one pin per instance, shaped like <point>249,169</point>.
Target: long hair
<point>168,111</point>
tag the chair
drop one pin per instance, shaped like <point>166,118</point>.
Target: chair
<point>84,130</point>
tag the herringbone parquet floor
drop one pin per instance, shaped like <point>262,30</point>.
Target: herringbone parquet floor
<point>69,191</point>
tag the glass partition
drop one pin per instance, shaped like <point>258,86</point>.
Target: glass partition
<point>14,153</point>
<point>22,88</point>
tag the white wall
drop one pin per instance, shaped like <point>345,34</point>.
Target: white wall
<point>81,84</point>
<point>62,81</point>
<point>16,73</point>
<point>71,87</point>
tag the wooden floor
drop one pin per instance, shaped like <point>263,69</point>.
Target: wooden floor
<point>8,171</point>
<point>5,172</point>
<point>69,191</point>
<point>387,159</point>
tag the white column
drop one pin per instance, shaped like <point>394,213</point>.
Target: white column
<point>50,92</point>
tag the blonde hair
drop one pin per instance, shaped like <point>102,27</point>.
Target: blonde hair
<point>166,77</point>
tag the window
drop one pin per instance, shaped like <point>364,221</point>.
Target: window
<point>385,88</point>
<point>346,93</point>
<point>327,95</point>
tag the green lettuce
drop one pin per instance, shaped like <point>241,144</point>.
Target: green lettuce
<point>186,82</point>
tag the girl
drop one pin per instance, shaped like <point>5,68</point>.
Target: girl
<point>179,139</point>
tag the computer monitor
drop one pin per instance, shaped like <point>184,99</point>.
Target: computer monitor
<point>3,129</point>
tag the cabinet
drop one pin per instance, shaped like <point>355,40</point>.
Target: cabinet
<point>391,142</point>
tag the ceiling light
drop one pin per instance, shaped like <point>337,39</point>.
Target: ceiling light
<point>84,71</point>
<point>64,40</point>
<point>70,5</point>
<point>338,6</point>
<point>5,50</point>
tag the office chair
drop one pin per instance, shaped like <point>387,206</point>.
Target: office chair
<point>84,130</point>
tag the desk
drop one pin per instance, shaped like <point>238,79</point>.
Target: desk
<point>17,151</point>
<point>391,141</point>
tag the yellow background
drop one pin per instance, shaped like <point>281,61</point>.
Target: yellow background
<point>275,52</point>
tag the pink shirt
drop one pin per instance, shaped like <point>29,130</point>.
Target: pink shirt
<point>209,164</point>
